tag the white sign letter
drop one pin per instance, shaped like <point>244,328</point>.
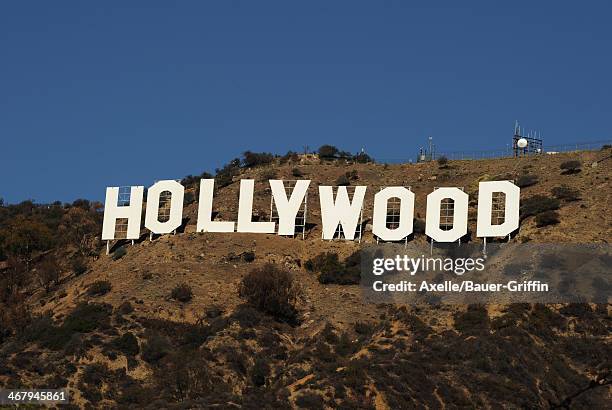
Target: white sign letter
<point>245,211</point>
<point>112,212</point>
<point>288,208</point>
<point>460,214</point>
<point>485,205</point>
<point>205,204</point>
<point>379,223</point>
<point>152,222</point>
<point>341,211</point>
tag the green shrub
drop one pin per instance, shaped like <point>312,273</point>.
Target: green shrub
<point>84,318</point>
<point>48,272</point>
<point>566,193</point>
<point>182,293</point>
<point>223,180</point>
<point>246,315</point>
<point>42,330</point>
<point>81,203</point>
<point>95,373</point>
<point>571,167</point>
<point>364,328</point>
<point>155,348</point>
<point>296,172</point>
<point>537,204</point>
<point>290,156</point>
<point>363,158</point>
<point>328,152</point>
<point>134,395</point>
<point>91,393</point>
<point>248,256</point>
<point>79,266</point>
<point>269,173</point>
<point>442,162</point>
<point>310,400</point>
<point>272,290</point>
<point>343,181</point>
<point>125,308</point>
<point>225,176</point>
<point>253,159</point>
<point>194,335</point>
<point>87,317</point>
<point>99,288</point>
<point>344,346</point>
<point>322,260</point>
<point>418,226</point>
<point>213,312</point>
<point>25,235</point>
<point>475,320</point>
<point>332,271</point>
<point>126,344</point>
<point>351,274</point>
<point>190,181</point>
<point>547,218</point>
<point>119,253</point>
<point>189,198</point>
<point>260,371</point>
<point>526,180</point>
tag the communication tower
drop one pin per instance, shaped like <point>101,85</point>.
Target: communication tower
<point>526,144</point>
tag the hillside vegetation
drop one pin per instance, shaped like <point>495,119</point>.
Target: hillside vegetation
<point>199,320</point>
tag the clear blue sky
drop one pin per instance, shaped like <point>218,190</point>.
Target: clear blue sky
<point>105,93</point>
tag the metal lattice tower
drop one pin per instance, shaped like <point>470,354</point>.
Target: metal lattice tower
<point>534,142</point>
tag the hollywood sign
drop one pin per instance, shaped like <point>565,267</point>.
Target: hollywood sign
<point>336,210</point>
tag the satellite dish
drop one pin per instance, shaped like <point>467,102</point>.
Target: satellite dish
<point>521,143</point>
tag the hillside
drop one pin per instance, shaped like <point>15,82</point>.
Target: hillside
<point>116,337</point>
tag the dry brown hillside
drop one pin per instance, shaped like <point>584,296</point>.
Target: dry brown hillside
<point>216,351</point>
<point>582,221</point>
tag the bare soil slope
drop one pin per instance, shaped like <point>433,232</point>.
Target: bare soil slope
<point>216,351</point>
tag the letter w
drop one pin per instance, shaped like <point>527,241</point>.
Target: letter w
<point>341,211</point>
